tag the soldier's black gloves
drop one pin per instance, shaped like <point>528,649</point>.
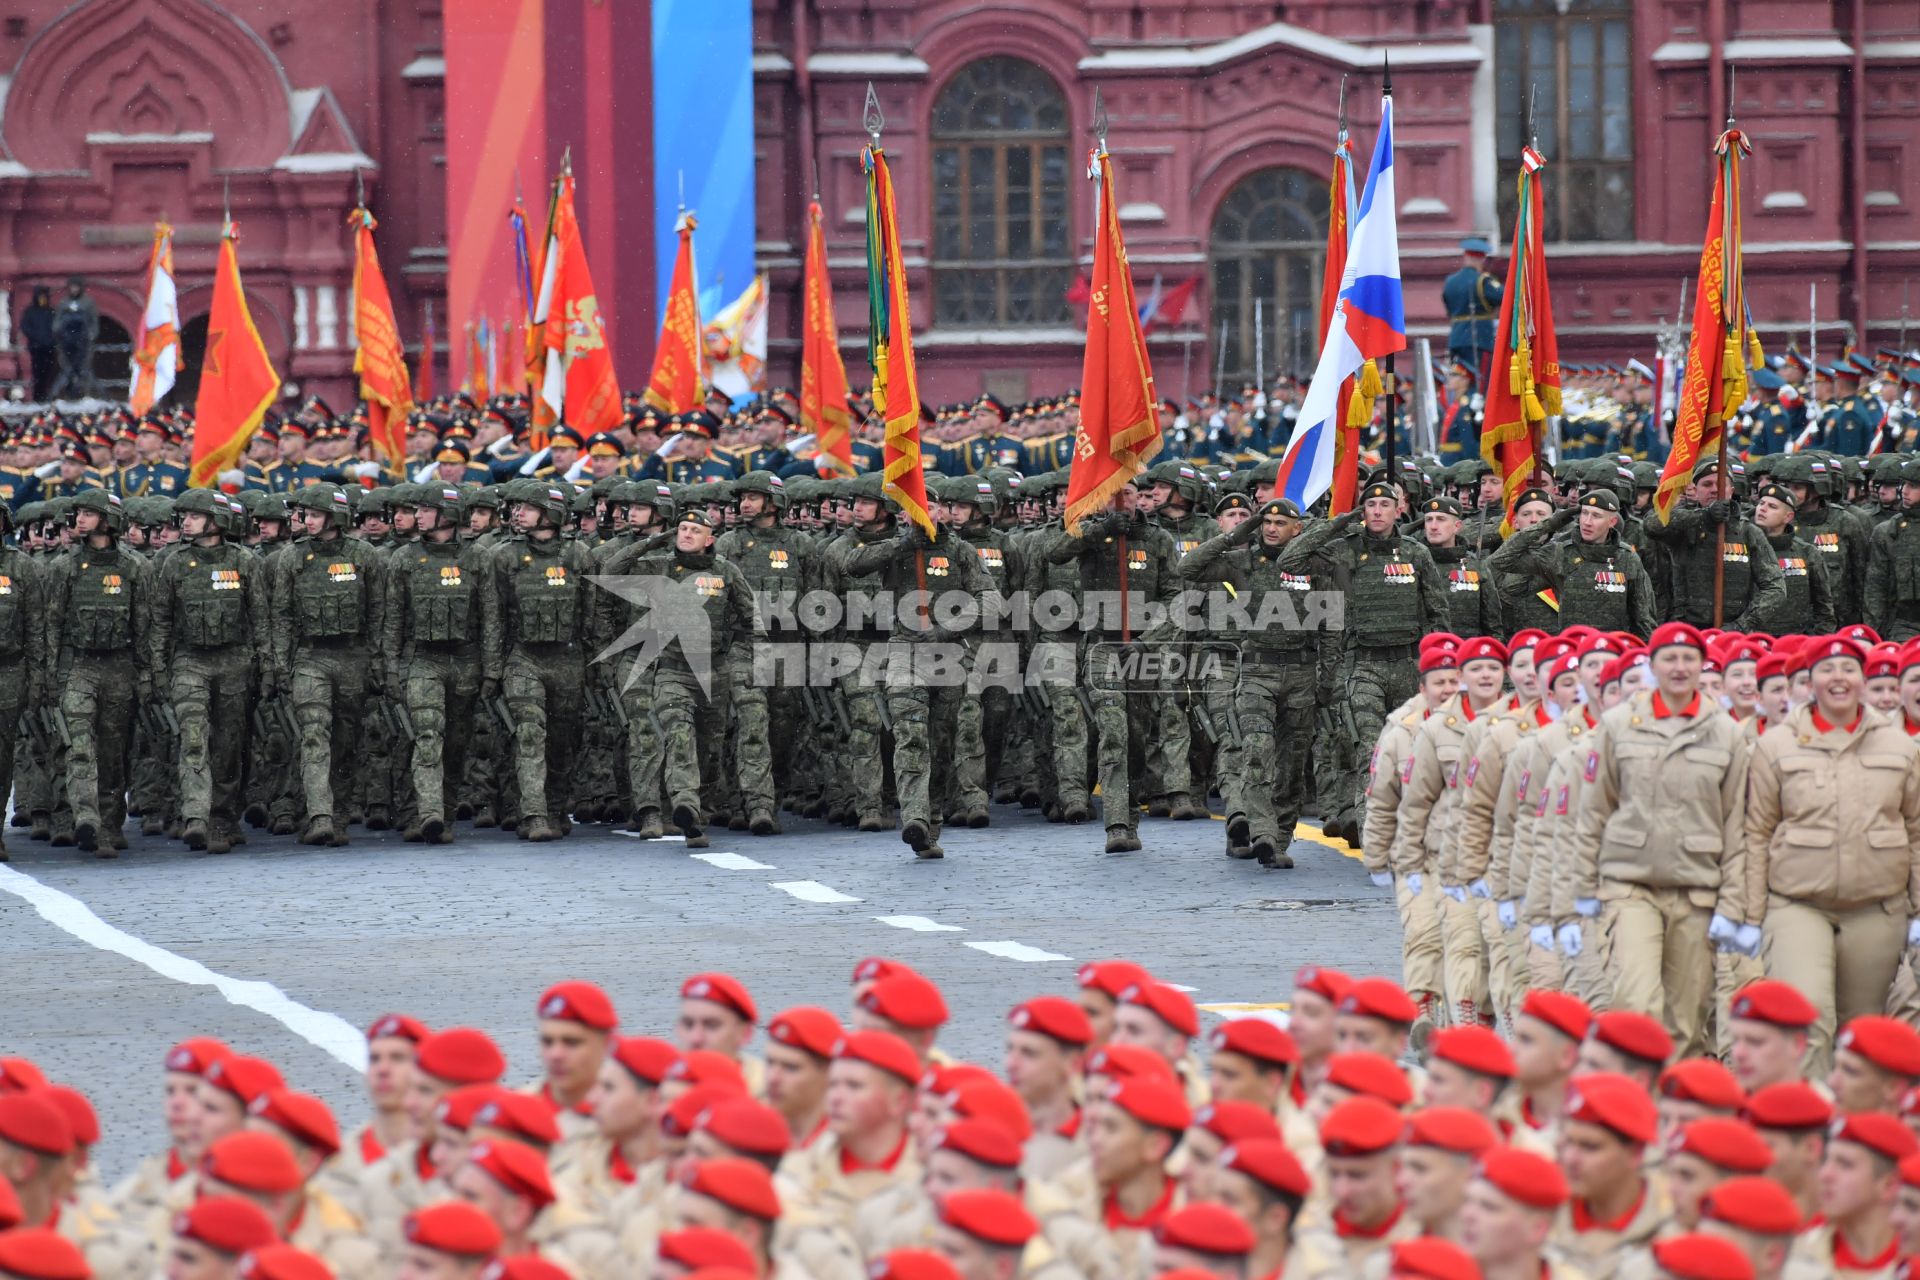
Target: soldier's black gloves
<point>1720,512</point>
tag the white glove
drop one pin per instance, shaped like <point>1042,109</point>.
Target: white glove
<point>1721,929</point>
<point>1570,940</point>
<point>1746,940</point>
<point>1382,879</point>
<point>1454,891</point>
<point>1415,880</point>
<point>1479,889</point>
<point>1541,935</point>
<point>1509,913</point>
<point>1587,908</point>
<point>1913,933</point>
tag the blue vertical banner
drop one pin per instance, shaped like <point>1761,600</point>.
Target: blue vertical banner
<point>703,138</point>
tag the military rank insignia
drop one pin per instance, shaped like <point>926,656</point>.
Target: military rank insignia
<point>343,571</point>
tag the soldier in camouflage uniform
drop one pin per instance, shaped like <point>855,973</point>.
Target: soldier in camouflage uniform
<point>1752,588</point>
<point>98,615</point>
<point>36,792</point>
<point>322,645</point>
<point>1841,537</point>
<point>1806,605</point>
<point>23,651</point>
<point>1473,603</point>
<point>1597,579</point>
<point>649,510</point>
<point>153,770</point>
<point>538,658</point>
<point>1522,605</point>
<point>1892,601</point>
<point>210,628</point>
<point>861,762</point>
<point>986,717</point>
<point>272,792</point>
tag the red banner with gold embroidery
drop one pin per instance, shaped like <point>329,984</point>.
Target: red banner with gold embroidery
<point>237,381</point>
<point>823,375</point>
<point>579,383</point>
<point>679,360</point>
<point>379,358</point>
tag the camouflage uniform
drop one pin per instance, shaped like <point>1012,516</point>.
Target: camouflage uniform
<point>986,716</point>
<point>861,761</point>
<point>23,650</point>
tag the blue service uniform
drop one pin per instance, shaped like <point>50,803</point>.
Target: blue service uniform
<point>685,470</point>
<point>868,455</point>
<point>1005,451</point>
<point>285,477</point>
<point>1773,429</point>
<point>1851,427</point>
<point>1472,299</point>
<point>151,480</point>
<point>17,488</point>
<point>1460,435</point>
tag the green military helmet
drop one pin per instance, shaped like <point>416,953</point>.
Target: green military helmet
<point>1183,477</point>
<point>1266,473</point>
<point>374,501</point>
<point>398,496</point>
<point>444,498</point>
<point>870,484</point>
<point>1646,476</point>
<point>767,483</point>
<point>206,502</point>
<point>1793,468</point>
<point>802,491</point>
<point>270,506</point>
<point>624,493</point>
<point>602,486</point>
<point>550,499</point>
<point>975,491</point>
<point>1886,468</point>
<point>29,514</point>
<point>581,503</point>
<point>330,499</point>
<point>57,509</point>
<point>114,515</point>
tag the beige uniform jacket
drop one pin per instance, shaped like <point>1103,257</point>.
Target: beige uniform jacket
<point>1526,774</point>
<point>1530,867</point>
<point>1428,788</point>
<point>1812,794</point>
<point>1484,820</point>
<point>1665,805</point>
<point>815,1191</point>
<point>1598,1251</point>
<point>1566,783</point>
<point>1390,756</point>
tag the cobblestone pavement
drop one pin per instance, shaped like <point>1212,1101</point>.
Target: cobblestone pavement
<point>470,933</point>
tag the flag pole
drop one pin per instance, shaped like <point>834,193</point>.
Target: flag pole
<point>1721,491</point>
<point>1386,91</point>
<point>874,122</point>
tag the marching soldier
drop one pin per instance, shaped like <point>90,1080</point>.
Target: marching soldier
<point>1752,589</point>
<point>1806,606</point>
<point>1892,596</point>
<point>1596,578</point>
<point>23,650</point>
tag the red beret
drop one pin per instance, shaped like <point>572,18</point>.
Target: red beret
<point>1112,976</point>
<point>527,1266</point>
<point>1255,1038</point>
<point>722,989</point>
<point>685,1111</point>
<point>517,1167</point>
<point>1772,665</point>
<point>454,1227</point>
<point>989,1099</point>
<point>1558,1010</point>
<point>17,1075</point>
<point>1268,1162</point>
<point>283,1262</point>
<point>1741,649</point>
<point>647,1058</point>
<point>1432,1258</point>
<point>253,1161</point>
<point>991,1216</point>
<point>707,1066</point>
<point>11,1214</point>
<point>194,1055</point>
<point>1909,655</point>
<point>1153,1103</point>
<point>457,1107</point>
<point>1635,1034</point>
<point>37,1253</point>
<point>243,1077</point>
<point>906,999</point>
<point>981,1140</point>
<point>880,1049</point>
<point>34,1122</point>
<point>1615,1103</point>
<point>1525,1177</point>
<point>1233,1122</point>
<point>1482,648</point>
<point>909,1264</point>
<point>1759,1205</point>
<point>1705,1081</point>
<point>1527,639</point>
<point>749,1127</point>
<point>1599,644</point>
<point>947,1077</point>
<point>582,1002</point>
<point>1878,1132</point>
<point>300,1114</point>
<point>1172,1007</point>
<point>696,1247</point>
<point>1371,1075</point>
<point>1439,640</point>
<point>806,1027</point>
<point>1360,1127</point>
<point>1206,1228</point>
<point>226,1223</point>
<point>1676,633</point>
<point>1887,1043</point>
<point>1444,656</point>
<point>744,1186</point>
<point>1564,665</point>
<point>1725,1143</point>
<point>1130,1062</point>
<point>1054,1016</point>
<point>1455,1129</point>
<point>874,968</point>
<point>1774,1001</point>
<point>398,1025</point>
<point>1380,998</point>
<point>461,1055</point>
<point>523,1115</point>
<point>1330,985</point>
<point>1836,646</point>
<point>73,1104</point>
<point>1702,1257</point>
<point>1791,1104</point>
<point>1475,1049</point>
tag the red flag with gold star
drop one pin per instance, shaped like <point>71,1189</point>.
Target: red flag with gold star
<point>237,381</point>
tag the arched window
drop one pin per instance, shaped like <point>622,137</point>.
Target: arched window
<point>1268,242</point>
<point>1002,249</point>
<point>1575,57</point>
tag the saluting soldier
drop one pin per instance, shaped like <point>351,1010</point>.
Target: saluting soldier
<point>1597,580</point>
<point>1705,520</point>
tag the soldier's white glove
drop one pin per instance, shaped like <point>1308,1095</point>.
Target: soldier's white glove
<point>1479,890</point>
<point>1570,940</point>
<point>1586,908</point>
<point>1509,913</point>
<point>1454,891</point>
<point>1721,930</point>
<point>1913,933</point>
<point>1382,879</point>
<point>1746,940</point>
<point>1541,935</point>
<point>1415,880</point>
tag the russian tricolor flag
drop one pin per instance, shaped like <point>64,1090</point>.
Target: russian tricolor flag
<point>1370,322</point>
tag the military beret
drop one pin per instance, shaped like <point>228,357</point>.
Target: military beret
<point>1330,985</point>
<point>1269,1162</point>
<point>1432,1258</point>
<point>647,1058</point>
<point>1526,1177</point>
<point>1780,494</point>
<point>722,989</point>
<point>17,1075</point>
<point>1255,1038</point>
<point>907,999</point>
<point>1887,1043</point>
<point>1702,1257</point>
<point>1791,1104</point>
<point>1473,1048</point>
<point>397,1025</point>
<point>564,436</point>
<point>1379,489</point>
<point>228,1224</point>
<point>1483,648</point>
<point>244,1077</point>
<point>1232,502</point>
<point>910,1264</point>
<point>518,1168</point>
<point>1860,632</point>
<point>1360,1127</point>
<point>749,1127</point>
<point>1370,1075</point>
<point>1773,1001</point>
<point>1679,633</point>
<point>1440,506</point>
<point>983,1141</point>
<point>1755,1204</point>
<point>1526,639</point>
<point>1112,976</point>
<point>1165,1003</point>
<point>880,1049</point>
<point>684,1112</point>
<point>34,1122</point>
<point>1703,1080</point>
<point>1441,656</point>
<point>989,1215</point>
<point>744,1186</point>
<point>1532,494</point>
<point>806,1027</point>
<point>988,1098</point>
<point>696,1247</point>
<point>253,1161</point>
<point>1381,998</point>
<point>1232,1121</point>
<point>1206,1228</point>
<point>461,1055</point>
<point>1130,1062</point>
<point>708,1066</point>
<point>1821,648</point>
<point>453,1227</point>
<point>1637,1035</point>
<point>304,1116</point>
<point>11,1214</point>
<point>1615,1103</point>
<point>577,1001</point>
<point>1602,499</point>
<point>1056,1017</point>
<point>1725,1143</point>
<point>1883,1134</point>
<point>522,1116</point>
<point>79,1112</point>
<point>1883,660</point>
<point>694,515</point>
<point>1281,506</point>
<point>282,1262</point>
<point>1455,1129</point>
<point>1154,1103</point>
<point>40,1253</point>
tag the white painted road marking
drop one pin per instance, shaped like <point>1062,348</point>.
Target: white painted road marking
<point>635,835</point>
<point>813,891</point>
<point>1016,951</point>
<point>325,1031</point>
<point>731,861</point>
<point>919,924</point>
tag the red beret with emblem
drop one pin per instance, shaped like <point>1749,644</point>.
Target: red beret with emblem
<point>1791,1104</point>
<point>1732,1145</point>
<point>647,1058</point>
<point>1165,1003</point>
<point>1615,1103</point>
<point>1637,1035</point>
<point>721,989</point>
<point>1112,976</point>
<point>1330,985</point>
<point>1526,1177</point>
<point>1472,1048</point>
<point>300,1114</point>
<point>1834,646</point>
<point>226,1223</point>
<point>397,1025</point>
<point>806,1027</point>
<point>517,1167</point>
<point>744,1186</point>
<point>1130,1062</point>
<point>243,1077</point>
<point>581,1002</point>
<point>1054,1016</point>
<point>990,1215</point>
<point>1232,1121</point>
<point>1360,1127</point>
<point>708,1066</point>
<point>1676,633</point>
<point>981,1140</point>
<point>907,999</point>
<point>1255,1038</point>
<point>1483,649</point>
<point>34,1122</point>
<point>1371,1075</point>
<point>1774,1001</point>
<point>1154,1103</point>
<point>454,1227</point>
<point>881,1049</point>
<point>1887,1043</point>
<point>461,1055</point>
<point>749,1127</point>
<point>1268,1162</point>
<point>79,1112</point>
<point>1455,1129</point>
<point>1878,1132</point>
<point>524,1116</point>
<point>253,1161</point>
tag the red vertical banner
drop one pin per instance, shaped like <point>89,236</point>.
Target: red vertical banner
<point>823,374</point>
<point>378,357</point>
